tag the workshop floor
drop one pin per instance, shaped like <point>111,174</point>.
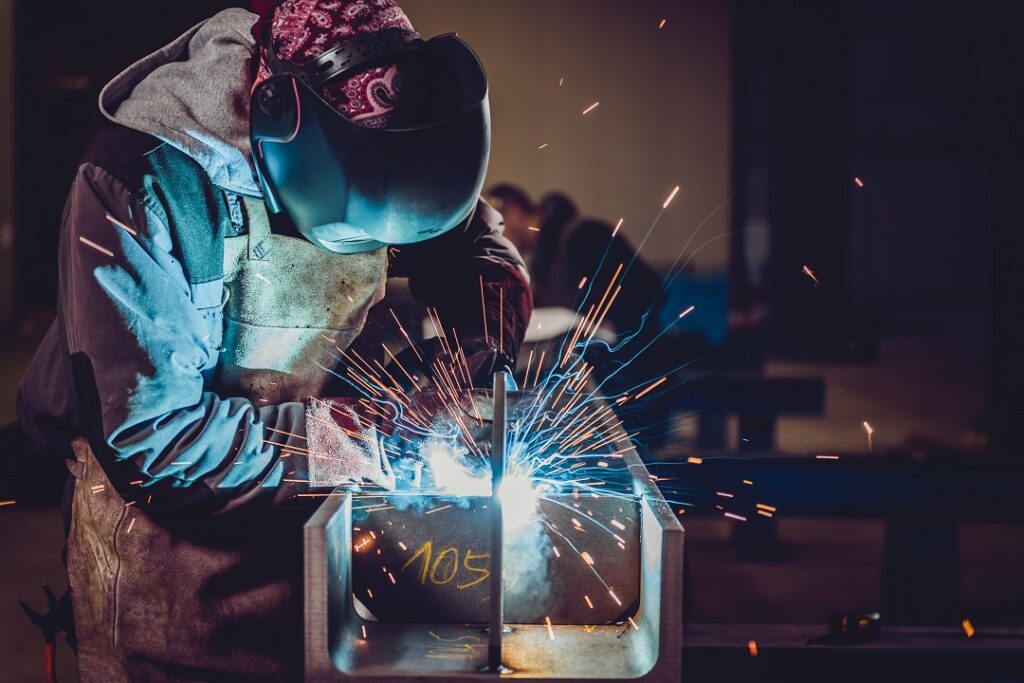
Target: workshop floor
<point>921,388</point>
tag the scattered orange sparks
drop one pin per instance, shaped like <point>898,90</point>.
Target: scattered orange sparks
<point>90,243</point>
<point>551,631</point>
<point>543,146</point>
<point>826,457</point>
<point>363,627</point>
<point>5,503</point>
<point>748,482</point>
<point>752,646</point>
<point>769,508</point>
<point>392,577</point>
<point>587,558</point>
<point>533,228</point>
<point>582,282</point>
<point>615,597</point>
<point>968,628</point>
<point>693,460</point>
<point>723,494</point>
<point>443,507</point>
<point>652,387</point>
<point>590,108</point>
<point>130,525</point>
<point>617,226</point>
<point>618,525</point>
<point>561,81</point>
<point>661,25</point>
<point>633,623</point>
<point>810,273</point>
<point>687,312</point>
<point>122,226</point>
<point>870,430</point>
<point>732,515</point>
<point>589,603</point>
<point>859,182</point>
<point>670,198</point>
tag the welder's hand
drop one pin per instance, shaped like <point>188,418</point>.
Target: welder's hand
<point>344,445</point>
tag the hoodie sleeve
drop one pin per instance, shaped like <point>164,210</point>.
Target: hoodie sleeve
<point>139,351</point>
<point>475,278</point>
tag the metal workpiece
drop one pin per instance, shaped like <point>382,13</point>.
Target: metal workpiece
<point>402,591</point>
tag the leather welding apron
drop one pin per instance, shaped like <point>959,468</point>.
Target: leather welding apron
<point>189,597</point>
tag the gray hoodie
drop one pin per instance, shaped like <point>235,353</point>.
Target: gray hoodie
<point>194,94</point>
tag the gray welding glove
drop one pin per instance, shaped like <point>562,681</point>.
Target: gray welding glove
<point>344,445</point>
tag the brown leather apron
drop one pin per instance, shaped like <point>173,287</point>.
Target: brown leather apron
<point>187,597</point>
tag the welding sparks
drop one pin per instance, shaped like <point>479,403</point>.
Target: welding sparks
<point>968,628</point>
<point>870,432</point>
<point>652,387</point>
<point>826,457</point>
<point>130,525</point>
<point>551,631</point>
<point>810,273</point>
<point>694,460</point>
<point>732,515</point>
<point>90,243</point>
<point>587,558</point>
<point>363,628</point>
<point>617,226</point>
<point>752,647</point>
<point>532,228</point>
<point>670,198</point>
<point>590,108</point>
<point>5,503</point>
<point>687,312</point>
<point>859,182</point>
<point>662,23</point>
<point>121,225</point>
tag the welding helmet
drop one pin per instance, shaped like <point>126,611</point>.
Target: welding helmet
<point>350,188</point>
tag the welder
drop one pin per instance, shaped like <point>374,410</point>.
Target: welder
<point>227,232</point>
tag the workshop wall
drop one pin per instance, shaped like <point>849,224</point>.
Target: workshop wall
<point>664,118</point>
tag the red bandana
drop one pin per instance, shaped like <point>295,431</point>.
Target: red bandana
<point>301,30</point>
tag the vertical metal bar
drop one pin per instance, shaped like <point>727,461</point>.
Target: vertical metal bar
<point>497,616</point>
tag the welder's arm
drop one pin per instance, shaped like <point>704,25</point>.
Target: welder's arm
<point>447,272</point>
<point>139,347</point>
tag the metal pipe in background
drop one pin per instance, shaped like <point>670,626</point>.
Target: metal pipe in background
<point>497,616</point>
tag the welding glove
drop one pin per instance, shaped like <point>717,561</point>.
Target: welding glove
<point>344,445</point>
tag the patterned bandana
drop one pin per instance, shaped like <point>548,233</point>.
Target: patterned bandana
<point>302,30</point>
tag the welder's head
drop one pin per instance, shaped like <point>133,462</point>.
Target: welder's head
<point>363,133</point>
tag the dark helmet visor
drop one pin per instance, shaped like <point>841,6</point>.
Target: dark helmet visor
<point>351,188</point>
